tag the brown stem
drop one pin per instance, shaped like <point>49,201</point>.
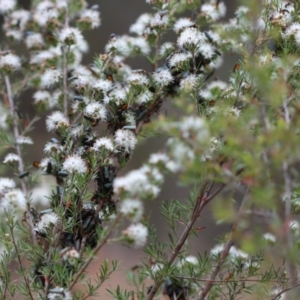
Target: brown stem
<point>19,152</point>
<point>223,256</point>
<point>65,70</point>
<point>216,192</point>
<point>20,262</point>
<point>65,81</point>
<point>29,126</point>
<point>201,202</point>
<point>285,290</point>
<point>95,251</point>
<point>230,280</point>
<point>287,237</point>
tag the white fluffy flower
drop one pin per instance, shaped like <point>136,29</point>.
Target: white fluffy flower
<point>41,96</point>
<point>295,227</point>
<point>50,77</point>
<point>132,208</point>
<point>11,157</point>
<point>119,44</point>
<point>41,193</point>
<point>159,20</point>
<point>157,158</point>
<point>102,85</point>
<point>76,130</point>
<point>91,16</point>
<point>188,260</point>
<point>166,48</point>
<point>7,5</point>
<point>144,97</point>
<point>103,143</point>
<point>207,50</point>
<point>96,111</point>
<point>18,18</point>
<point>45,12</point>
<point>71,36</point>
<point>178,59</point>
<point>74,163</point>
<point>16,35</point>
<point>191,260</point>
<point>54,99</point>
<point>41,57</point>
<point>269,237</point>
<point>139,183</point>
<point>217,84</point>
<point>297,38</point>
<point>216,63</point>
<point>81,81</point>
<point>119,94</point>
<point>24,140</point>
<point>157,267</point>
<point>180,153</point>
<point>136,234</point>
<point>130,118</point>
<point>189,83</point>
<point>274,294</point>
<point>13,199</point>
<point>70,255</point>
<point>214,10</point>
<point>213,87</point>
<point>56,120</point>
<point>232,112</point>
<point>6,184</point>
<point>164,159</point>
<point>3,117</point>
<point>138,79</point>
<point>34,40</point>
<point>194,127</point>
<point>45,162</point>
<point>51,147</point>
<point>234,253</point>
<point>10,61</point>
<point>182,23</point>
<point>162,77</point>
<point>292,30</point>
<point>81,70</point>
<point>46,221</point>
<point>140,44</point>
<point>139,26</point>
<point>59,293</point>
<point>125,139</point>
<point>190,37</point>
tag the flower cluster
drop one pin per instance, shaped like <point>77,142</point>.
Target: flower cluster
<point>241,135</point>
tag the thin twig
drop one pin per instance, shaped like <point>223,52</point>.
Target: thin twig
<point>20,262</point>
<point>209,198</point>
<point>285,290</point>
<point>19,152</point>
<point>230,280</point>
<point>157,43</point>
<point>65,81</point>
<point>224,254</point>
<point>95,251</point>
<point>35,119</point>
<point>286,113</point>
<point>201,202</point>
<point>65,70</point>
<point>287,237</point>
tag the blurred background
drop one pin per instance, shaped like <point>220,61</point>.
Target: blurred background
<point>116,17</point>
